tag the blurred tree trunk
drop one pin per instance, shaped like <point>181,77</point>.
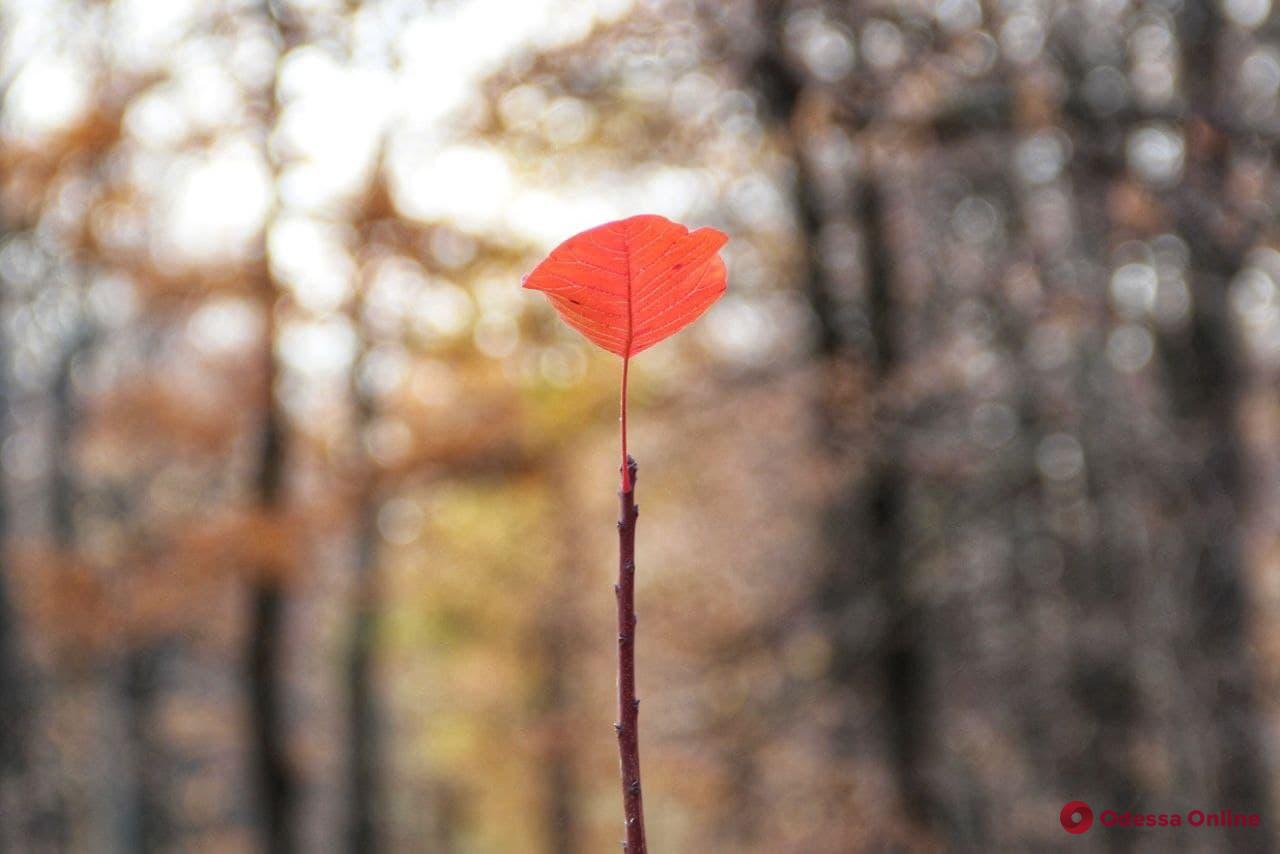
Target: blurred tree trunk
<point>1100,568</point>
<point>557,630</point>
<point>781,88</point>
<point>899,655</point>
<point>14,699</point>
<point>1208,373</point>
<point>273,777</point>
<point>13,681</point>
<point>1101,678</point>
<point>364,756</point>
<point>148,827</point>
<point>61,816</point>
<point>364,766</point>
<point>867,524</point>
<point>65,417</point>
<point>274,786</point>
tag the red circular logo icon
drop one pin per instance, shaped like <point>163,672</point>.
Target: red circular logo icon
<point>1076,817</point>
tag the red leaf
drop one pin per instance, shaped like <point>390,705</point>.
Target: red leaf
<point>629,284</point>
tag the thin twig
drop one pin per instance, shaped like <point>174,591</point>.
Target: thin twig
<point>628,706</point>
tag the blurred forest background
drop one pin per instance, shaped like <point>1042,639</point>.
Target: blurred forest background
<point>961,504</point>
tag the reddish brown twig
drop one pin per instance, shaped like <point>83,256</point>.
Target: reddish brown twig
<point>628,706</point>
